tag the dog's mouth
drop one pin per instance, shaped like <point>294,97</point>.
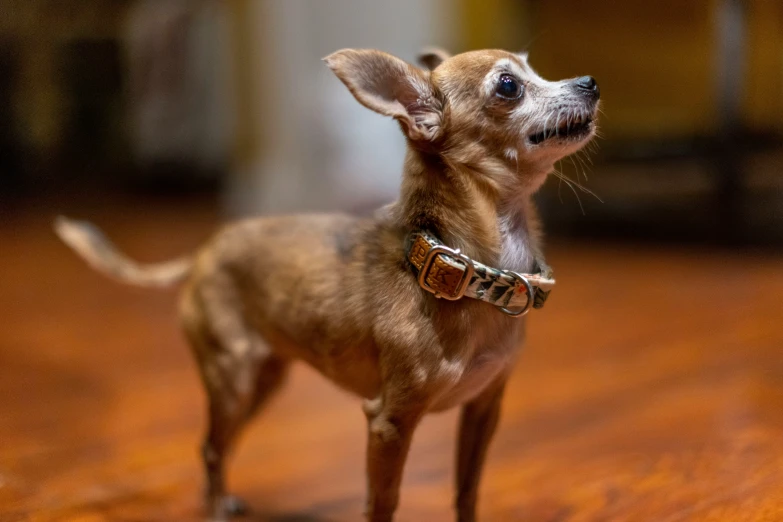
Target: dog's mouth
<point>573,128</point>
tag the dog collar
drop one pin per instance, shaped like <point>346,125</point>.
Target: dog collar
<point>451,275</point>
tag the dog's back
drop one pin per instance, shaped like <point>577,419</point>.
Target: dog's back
<point>303,285</point>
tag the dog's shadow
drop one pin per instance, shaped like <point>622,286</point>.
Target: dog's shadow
<point>304,516</point>
<point>314,513</point>
<point>287,517</point>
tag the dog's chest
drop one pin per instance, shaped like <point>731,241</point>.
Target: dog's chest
<point>496,342</point>
<point>462,381</point>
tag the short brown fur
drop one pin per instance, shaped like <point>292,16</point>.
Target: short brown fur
<point>337,292</point>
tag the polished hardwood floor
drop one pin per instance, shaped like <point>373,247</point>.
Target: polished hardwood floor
<point>651,389</point>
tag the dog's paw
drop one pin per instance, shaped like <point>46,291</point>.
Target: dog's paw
<point>227,507</point>
<point>235,506</point>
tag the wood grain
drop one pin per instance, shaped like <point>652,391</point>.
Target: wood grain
<point>651,389</point>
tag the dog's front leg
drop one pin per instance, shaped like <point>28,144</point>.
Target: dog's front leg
<point>390,426</point>
<point>477,425</point>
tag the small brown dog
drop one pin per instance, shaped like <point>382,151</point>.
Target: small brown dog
<point>390,307</point>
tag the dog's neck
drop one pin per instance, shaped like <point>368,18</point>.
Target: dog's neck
<point>490,221</point>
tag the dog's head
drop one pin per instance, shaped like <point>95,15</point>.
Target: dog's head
<point>487,110</point>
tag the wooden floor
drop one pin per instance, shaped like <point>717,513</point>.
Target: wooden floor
<point>651,389</point>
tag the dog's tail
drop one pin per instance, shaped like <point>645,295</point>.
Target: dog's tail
<point>101,254</point>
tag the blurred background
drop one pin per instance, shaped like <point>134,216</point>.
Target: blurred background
<point>229,98</point>
<point>651,385</point>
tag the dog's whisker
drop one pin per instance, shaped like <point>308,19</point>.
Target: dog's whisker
<point>579,157</point>
<point>572,159</point>
<point>559,185</point>
<point>569,182</point>
<point>579,186</point>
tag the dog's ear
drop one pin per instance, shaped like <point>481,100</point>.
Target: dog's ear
<point>391,87</point>
<point>431,57</point>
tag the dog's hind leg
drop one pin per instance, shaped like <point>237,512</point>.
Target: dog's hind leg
<point>240,374</point>
<point>231,406</point>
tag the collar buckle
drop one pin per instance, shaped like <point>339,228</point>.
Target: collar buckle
<point>438,278</point>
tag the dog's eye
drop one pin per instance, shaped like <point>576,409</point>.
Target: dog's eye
<point>509,87</point>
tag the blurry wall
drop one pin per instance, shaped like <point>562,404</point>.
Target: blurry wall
<point>176,93</point>
<point>112,93</point>
<point>179,83</point>
<point>45,86</point>
<point>304,142</point>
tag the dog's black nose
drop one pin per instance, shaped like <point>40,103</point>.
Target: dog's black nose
<point>587,85</point>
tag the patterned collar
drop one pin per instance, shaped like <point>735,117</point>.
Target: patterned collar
<point>451,275</point>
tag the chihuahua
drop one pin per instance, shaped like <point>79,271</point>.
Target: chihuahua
<point>415,309</point>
